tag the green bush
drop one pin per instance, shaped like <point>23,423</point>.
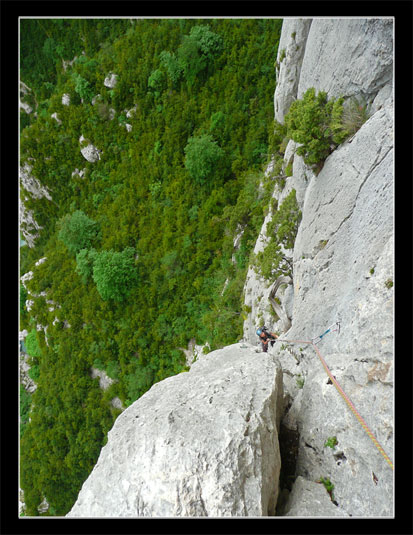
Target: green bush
<point>77,231</point>
<point>83,88</point>
<point>202,154</point>
<point>331,442</point>
<point>34,373</point>
<point>113,369</point>
<point>156,81</point>
<point>315,123</point>
<point>32,344</point>
<point>98,364</point>
<point>209,43</point>
<point>354,115</point>
<point>138,383</point>
<point>115,273</point>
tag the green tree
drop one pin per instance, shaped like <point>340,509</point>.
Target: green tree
<point>32,344</point>
<point>202,154</point>
<point>77,231</point>
<point>210,44</point>
<point>115,273</point>
<point>84,263</point>
<point>197,50</point>
<point>156,81</point>
<point>190,59</point>
<point>171,64</point>
<point>83,88</point>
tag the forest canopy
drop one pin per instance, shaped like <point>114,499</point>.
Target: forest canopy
<point>139,245</point>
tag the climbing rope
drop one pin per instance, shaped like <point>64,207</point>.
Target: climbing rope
<point>350,404</point>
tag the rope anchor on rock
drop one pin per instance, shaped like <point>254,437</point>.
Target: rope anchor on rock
<point>350,404</point>
<point>317,339</point>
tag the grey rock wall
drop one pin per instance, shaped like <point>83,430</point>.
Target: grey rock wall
<point>290,55</point>
<point>348,56</point>
<point>201,443</point>
<point>343,269</point>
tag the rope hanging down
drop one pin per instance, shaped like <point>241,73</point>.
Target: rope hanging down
<point>350,404</point>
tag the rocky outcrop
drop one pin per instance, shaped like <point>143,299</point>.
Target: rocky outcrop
<point>290,56</point>
<point>25,380</point>
<point>89,151</point>
<point>27,98</point>
<point>31,184</point>
<point>111,80</point>
<point>104,380</point>
<point>201,443</point>
<point>28,225</point>
<point>56,118</point>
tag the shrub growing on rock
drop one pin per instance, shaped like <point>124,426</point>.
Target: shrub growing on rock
<point>282,230</point>
<point>315,122</point>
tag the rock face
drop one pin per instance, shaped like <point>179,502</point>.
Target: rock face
<point>290,56</point>
<point>24,367</point>
<point>201,443</point>
<point>342,269</point>
<point>34,188</point>
<point>31,184</point>
<point>307,497</point>
<point>347,57</point>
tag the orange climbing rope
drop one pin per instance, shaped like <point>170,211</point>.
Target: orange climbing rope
<point>343,394</point>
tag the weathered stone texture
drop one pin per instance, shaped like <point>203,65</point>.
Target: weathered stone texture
<point>201,443</point>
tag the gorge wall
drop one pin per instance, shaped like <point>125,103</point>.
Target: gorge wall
<point>206,442</point>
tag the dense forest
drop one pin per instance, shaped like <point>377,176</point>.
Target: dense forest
<point>139,244</point>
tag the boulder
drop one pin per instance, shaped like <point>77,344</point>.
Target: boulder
<point>201,443</point>
<point>66,99</point>
<point>56,118</point>
<point>104,380</point>
<point>111,81</point>
<point>90,153</point>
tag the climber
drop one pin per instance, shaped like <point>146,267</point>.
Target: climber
<point>266,337</point>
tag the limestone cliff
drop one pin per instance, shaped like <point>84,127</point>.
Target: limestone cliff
<point>200,443</point>
<point>342,266</point>
<point>206,442</point>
